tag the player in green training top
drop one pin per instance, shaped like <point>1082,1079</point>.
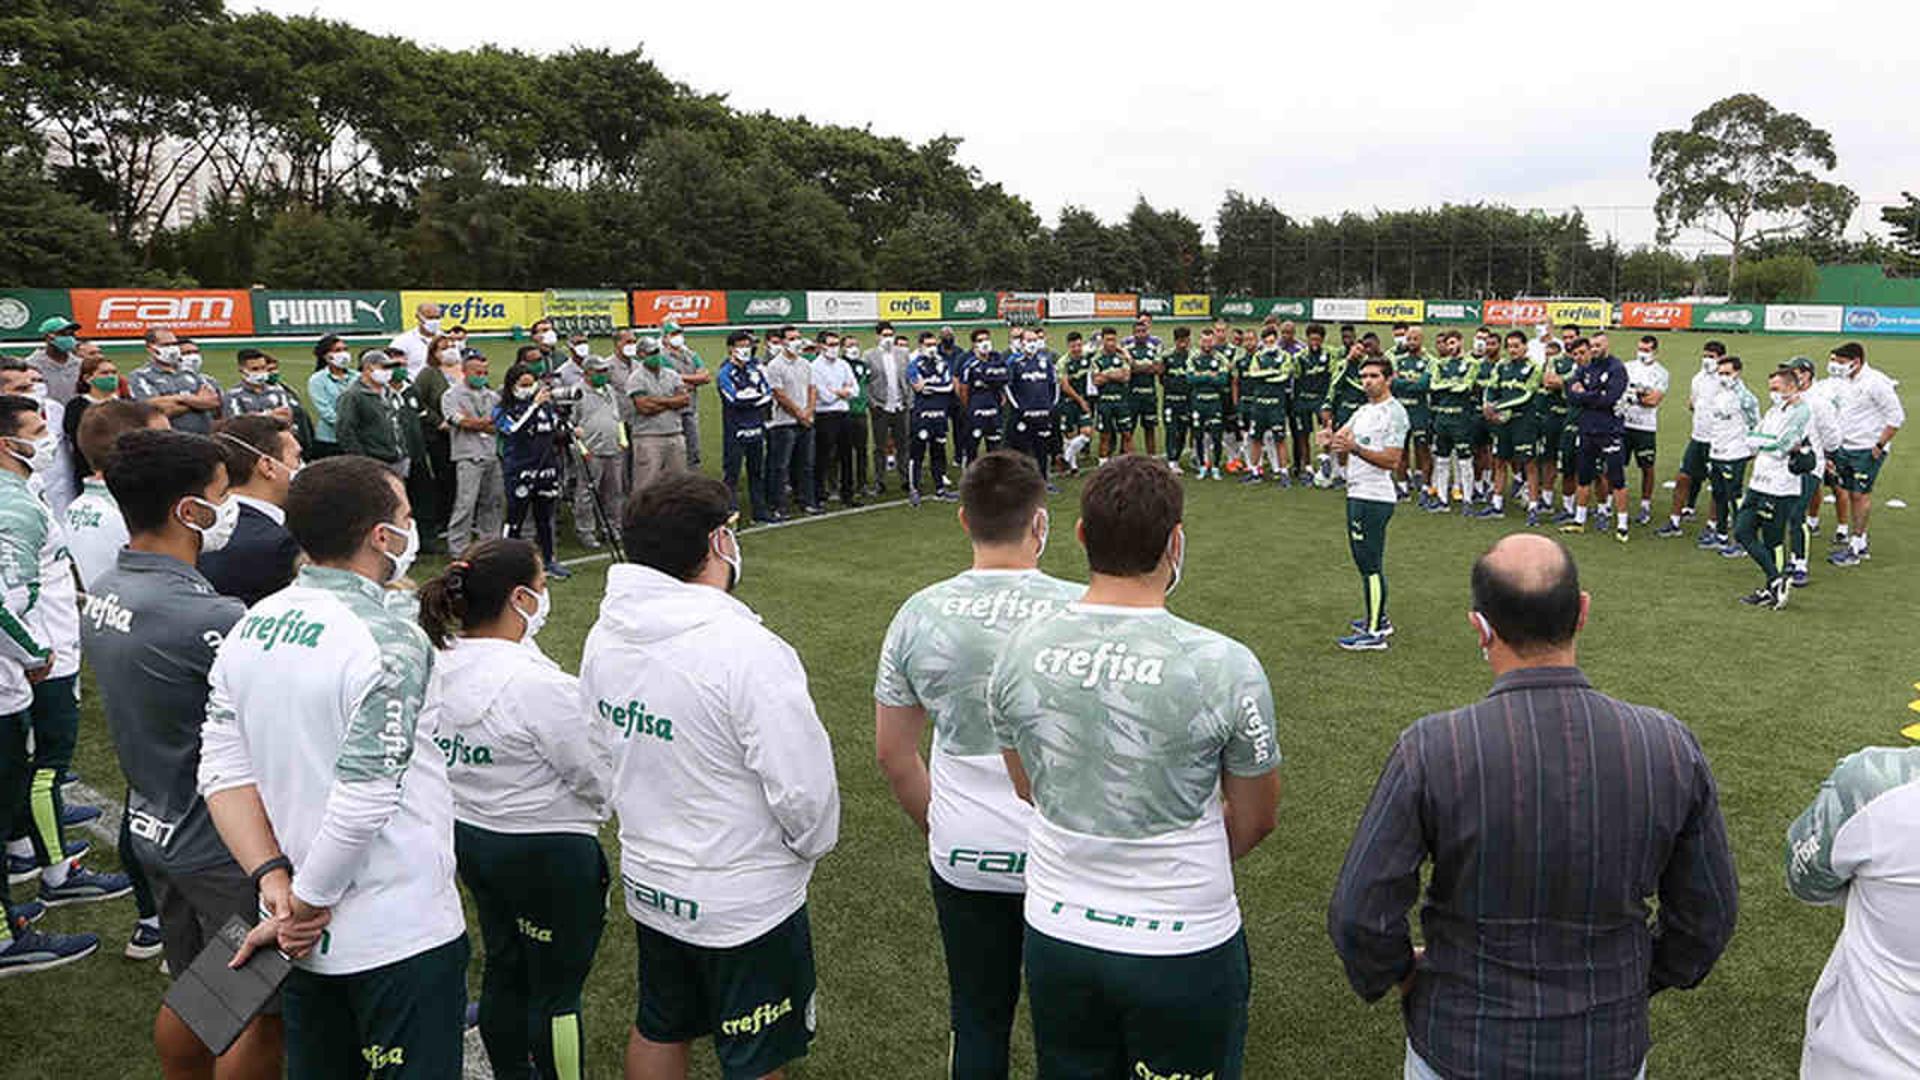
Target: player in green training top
<point>1557,436</point>
<point>1507,405</point>
<point>1113,378</point>
<point>1146,745</point>
<point>933,667</point>
<point>1078,396</point>
<point>1143,352</point>
<point>1310,369</point>
<point>1208,377</point>
<point>1456,399</point>
<point>1263,394</point>
<point>1177,397</point>
<point>1345,392</point>
<point>1412,383</point>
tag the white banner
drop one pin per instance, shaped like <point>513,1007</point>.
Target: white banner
<point>843,307</point>
<point>1340,310</point>
<point>1070,305</point>
<point>1805,318</point>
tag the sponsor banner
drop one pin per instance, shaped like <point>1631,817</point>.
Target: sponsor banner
<point>766,307</point>
<point>1038,300</point>
<point>111,313</point>
<point>1551,312</point>
<point>1070,305</point>
<point>585,311</point>
<point>1392,311</point>
<point>1453,311</point>
<point>1115,305</point>
<point>276,312</point>
<point>1192,305</point>
<point>475,309</point>
<point>969,305</point>
<point>843,307</point>
<point>1656,316</point>
<point>1161,306</point>
<point>1515,312</point>
<point>1262,307</point>
<point>1882,320</point>
<point>1339,310</point>
<point>910,306</point>
<point>651,307</point>
<point>23,310</point>
<point>1804,318</point>
<point>1727,317</point>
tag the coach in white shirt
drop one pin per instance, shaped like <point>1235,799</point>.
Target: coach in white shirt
<point>1870,416</point>
<point>724,786</point>
<point>415,342</point>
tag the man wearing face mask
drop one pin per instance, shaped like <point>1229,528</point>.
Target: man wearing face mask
<point>600,448</point>
<point>369,419</point>
<point>1033,392</point>
<point>982,382</point>
<point>189,401</point>
<point>330,379</point>
<point>744,398</point>
<point>724,785</point>
<point>1823,438</point>
<point>1163,993</point>
<point>547,340</point>
<point>1692,477</point>
<point>934,664</point>
<point>479,488</point>
<point>1766,512</point>
<point>418,338</point>
<point>57,358</point>
<point>262,458</point>
<point>1733,411</point>
<point>933,397</point>
<point>1551,812</point>
<point>889,393</point>
<point>693,375</point>
<point>331,794</point>
<point>657,395</point>
<point>1870,415</point>
<point>857,411</point>
<point>156,628</point>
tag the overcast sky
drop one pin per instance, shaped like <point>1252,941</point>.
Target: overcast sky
<point>1321,108</point>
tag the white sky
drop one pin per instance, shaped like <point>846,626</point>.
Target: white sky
<point>1320,108</point>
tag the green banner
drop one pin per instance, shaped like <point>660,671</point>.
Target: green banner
<point>1158,306</point>
<point>969,305</point>
<point>21,311</point>
<point>1259,307</point>
<point>1454,311</point>
<point>1728,317</point>
<point>766,307</point>
<point>326,312</point>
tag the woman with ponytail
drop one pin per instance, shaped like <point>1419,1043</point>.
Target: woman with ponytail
<point>530,775</point>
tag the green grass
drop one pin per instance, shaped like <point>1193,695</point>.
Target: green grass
<point>1775,698</point>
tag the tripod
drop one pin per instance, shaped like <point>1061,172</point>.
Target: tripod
<point>576,462</point>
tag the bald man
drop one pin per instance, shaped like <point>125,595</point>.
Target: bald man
<point>1550,811</point>
<point>416,341</point>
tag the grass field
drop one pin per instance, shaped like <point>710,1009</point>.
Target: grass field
<point>1775,698</point>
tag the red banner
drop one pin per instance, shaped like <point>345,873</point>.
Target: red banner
<point>1656,316</point>
<point>111,313</point>
<point>1515,312</point>
<point>1115,305</point>
<point>651,307</point>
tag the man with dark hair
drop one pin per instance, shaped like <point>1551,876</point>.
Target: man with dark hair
<point>152,626</point>
<point>1079,401</point>
<point>933,397</point>
<point>1372,442</point>
<point>1112,377</point>
<point>57,358</point>
<point>1144,815</point>
<point>262,458</point>
<point>934,664</point>
<point>1033,392</point>
<point>333,798</point>
<point>96,530</point>
<point>1692,475</point>
<point>1647,381</point>
<point>744,398</point>
<point>1595,390</point>
<point>1870,415</point>
<point>891,400</point>
<point>1732,412</point>
<point>1550,812</point>
<point>724,786</point>
<point>1506,406</point>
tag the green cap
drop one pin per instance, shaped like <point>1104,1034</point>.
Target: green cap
<point>57,324</point>
<point>671,326</point>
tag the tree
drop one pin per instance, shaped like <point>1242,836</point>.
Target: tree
<point>50,238</point>
<point>1783,277</point>
<point>305,249</point>
<point>931,251</point>
<point>1654,274</point>
<point>1744,171</point>
<point>1166,248</point>
<point>1904,223</point>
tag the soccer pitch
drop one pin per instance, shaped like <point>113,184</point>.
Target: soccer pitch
<point>1774,697</point>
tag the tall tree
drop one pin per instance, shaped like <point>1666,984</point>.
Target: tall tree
<point>1903,222</point>
<point>1745,171</point>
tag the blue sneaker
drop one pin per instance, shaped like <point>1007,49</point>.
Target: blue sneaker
<point>1731,550</point>
<point>32,951</point>
<point>913,497</point>
<point>77,814</point>
<point>1844,557</point>
<point>1799,577</point>
<point>26,914</point>
<point>22,868</point>
<point>83,886</point>
<point>145,944</point>
<point>1709,539</point>
<point>1668,531</point>
<point>1360,627</point>
<point>1360,642</point>
<point>558,572</point>
<point>68,776</point>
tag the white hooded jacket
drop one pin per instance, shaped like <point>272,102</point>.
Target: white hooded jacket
<point>723,774</point>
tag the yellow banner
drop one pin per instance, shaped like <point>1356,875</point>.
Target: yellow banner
<point>1583,312</point>
<point>910,306</point>
<point>476,309</point>
<point>1192,306</point>
<point>1392,311</point>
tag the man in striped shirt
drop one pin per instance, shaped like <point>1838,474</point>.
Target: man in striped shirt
<point>1551,812</point>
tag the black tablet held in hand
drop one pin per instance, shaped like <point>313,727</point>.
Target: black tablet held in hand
<point>217,1002</point>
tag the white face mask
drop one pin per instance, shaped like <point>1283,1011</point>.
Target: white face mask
<point>1777,398</point>
<point>733,560</point>
<point>190,361</point>
<point>1032,347</point>
<point>1179,557</point>
<point>1728,380</point>
<point>547,337</point>
<point>678,341</point>
<point>338,359</point>
<point>630,349</point>
<point>851,352</point>
<point>983,347</point>
<point>429,327</point>
<point>450,355</point>
<point>254,378</point>
<point>583,350</point>
<point>402,562</point>
<point>40,459</point>
<point>1643,356</point>
<point>523,393</point>
<point>167,356</point>
<point>382,376</point>
<point>1708,363</point>
<point>537,618</point>
<point>1836,369</point>
<point>213,537</point>
<point>37,391</point>
<point>742,353</point>
<point>1399,341</point>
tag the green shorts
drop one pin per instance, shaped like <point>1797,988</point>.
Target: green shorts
<point>1479,432</point>
<point>1516,440</point>
<point>1856,469</point>
<point>1693,463</point>
<point>1145,405</point>
<point>1116,417</point>
<point>1176,409</point>
<point>1568,455</point>
<point>1209,417</point>
<point>1305,417</point>
<point>1268,417</point>
<point>1070,415</point>
<point>1109,1014</point>
<point>756,999</point>
<point>1642,447</point>
<point>1452,433</point>
<point>403,1019</point>
<point>1342,412</point>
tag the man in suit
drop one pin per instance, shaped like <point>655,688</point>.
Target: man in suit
<point>261,455</point>
<point>888,401</point>
<point>1551,812</point>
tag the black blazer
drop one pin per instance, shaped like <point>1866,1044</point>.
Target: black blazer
<point>257,562</point>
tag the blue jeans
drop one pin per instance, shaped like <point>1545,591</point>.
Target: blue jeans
<point>1418,1069</point>
<point>789,465</point>
<point>746,443</point>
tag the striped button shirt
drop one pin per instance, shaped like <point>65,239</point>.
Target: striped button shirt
<point>1551,813</point>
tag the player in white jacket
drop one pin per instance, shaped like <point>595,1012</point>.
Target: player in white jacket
<point>529,776</point>
<point>724,786</point>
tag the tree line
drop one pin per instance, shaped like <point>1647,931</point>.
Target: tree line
<point>318,155</point>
